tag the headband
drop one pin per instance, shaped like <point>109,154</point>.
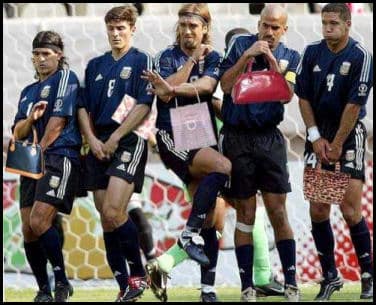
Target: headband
<point>51,46</point>
<point>194,15</point>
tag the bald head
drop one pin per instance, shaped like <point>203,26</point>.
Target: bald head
<point>272,24</point>
<point>274,11</point>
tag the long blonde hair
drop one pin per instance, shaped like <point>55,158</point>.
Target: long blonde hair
<point>201,10</point>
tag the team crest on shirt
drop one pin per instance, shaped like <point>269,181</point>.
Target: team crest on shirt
<point>58,105</point>
<point>345,68</point>
<point>362,90</point>
<point>45,91</point>
<point>126,72</point>
<point>350,155</point>
<point>125,156</point>
<point>283,64</point>
<point>54,182</point>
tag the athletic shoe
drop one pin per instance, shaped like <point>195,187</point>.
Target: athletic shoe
<point>63,292</point>
<point>194,246</point>
<point>135,289</point>
<point>209,297</point>
<point>271,289</point>
<point>292,293</point>
<point>328,287</point>
<point>367,286</point>
<point>158,280</point>
<point>43,297</point>
<point>248,295</point>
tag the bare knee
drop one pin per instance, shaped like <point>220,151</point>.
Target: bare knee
<point>245,213</point>
<point>351,215</point>
<point>224,166</point>
<point>112,218</point>
<point>28,233</point>
<point>319,212</point>
<point>39,224</point>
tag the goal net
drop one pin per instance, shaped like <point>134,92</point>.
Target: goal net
<point>163,196</point>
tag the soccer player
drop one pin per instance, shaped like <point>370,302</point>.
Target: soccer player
<point>49,105</point>
<point>191,63</point>
<point>256,147</point>
<point>116,162</point>
<point>333,82</point>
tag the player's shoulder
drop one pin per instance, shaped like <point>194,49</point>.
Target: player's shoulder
<point>242,39</point>
<point>166,52</point>
<point>314,47</point>
<point>98,59</point>
<point>29,87</point>
<point>290,52</point>
<point>66,74</point>
<point>359,51</point>
<point>141,54</point>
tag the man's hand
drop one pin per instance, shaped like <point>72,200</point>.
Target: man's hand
<point>321,148</point>
<point>111,145</point>
<point>161,87</point>
<point>97,147</point>
<point>38,110</point>
<point>201,52</point>
<point>335,153</point>
<point>258,48</point>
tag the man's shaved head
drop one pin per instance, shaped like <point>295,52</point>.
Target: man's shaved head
<point>274,11</point>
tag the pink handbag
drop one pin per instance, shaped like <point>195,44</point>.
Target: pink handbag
<point>191,126</point>
<point>260,86</point>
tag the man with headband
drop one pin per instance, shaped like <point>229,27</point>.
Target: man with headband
<point>49,105</point>
<point>187,66</point>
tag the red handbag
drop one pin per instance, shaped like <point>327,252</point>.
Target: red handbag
<point>260,86</point>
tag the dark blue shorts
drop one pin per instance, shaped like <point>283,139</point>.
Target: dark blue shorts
<point>128,163</point>
<point>57,187</point>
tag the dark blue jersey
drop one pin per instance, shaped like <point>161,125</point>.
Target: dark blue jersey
<point>106,83</point>
<point>171,60</point>
<point>60,90</point>
<point>330,80</point>
<point>262,114</point>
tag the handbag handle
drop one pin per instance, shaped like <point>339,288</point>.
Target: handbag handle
<point>249,66</point>
<point>337,166</point>
<point>12,146</point>
<point>197,95</point>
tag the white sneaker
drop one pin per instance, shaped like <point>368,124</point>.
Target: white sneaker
<point>292,293</point>
<point>248,295</point>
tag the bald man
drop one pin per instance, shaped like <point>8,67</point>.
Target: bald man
<point>256,147</point>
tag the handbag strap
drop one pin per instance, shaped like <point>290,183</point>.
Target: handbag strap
<point>337,166</point>
<point>35,136</point>
<point>197,95</point>
<point>249,66</point>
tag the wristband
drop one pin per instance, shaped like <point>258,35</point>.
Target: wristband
<point>313,134</point>
<point>193,60</point>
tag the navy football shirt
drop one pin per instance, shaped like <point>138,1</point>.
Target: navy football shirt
<point>330,80</point>
<point>60,90</point>
<point>168,62</point>
<point>108,80</point>
<point>261,114</point>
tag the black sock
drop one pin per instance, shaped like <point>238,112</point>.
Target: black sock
<point>38,262</point>
<point>130,245</point>
<point>205,198</point>
<point>361,239</point>
<point>324,240</point>
<point>244,257</point>
<point>211,248</point>
<point>51,244</point>
<point>115,259</point>
<point>145,232</point>
<point>287,254</point>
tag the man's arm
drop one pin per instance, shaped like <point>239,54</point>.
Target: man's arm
<point>320,145</point>
<point>54,128</point>
<point>229,78</point>
<point>87,131</point>
<point>348,120</point>
<point>23,127</point>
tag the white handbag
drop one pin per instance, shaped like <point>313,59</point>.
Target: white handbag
<point>192,126</point>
